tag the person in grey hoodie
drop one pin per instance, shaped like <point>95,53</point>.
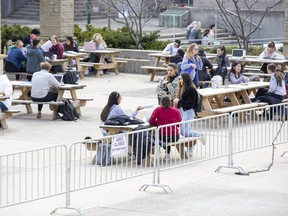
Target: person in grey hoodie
<point>34,57</point>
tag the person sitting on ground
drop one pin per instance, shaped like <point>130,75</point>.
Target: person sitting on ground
<point>203,74</point>
<point>56,49</point>
<point>192,63</point>
<point>33,34</point>
<point>276,92</point>
<point>270,52</point>
<point>7,91</point>
<point>205,38</point>
<point>169,84</point>
<point>112,109</point>
<point>236,77</point>
<point>187,100</point>
<point>15,59</point>
<point>34,58</point>
<point>44,86</point>
<point>164,115</point>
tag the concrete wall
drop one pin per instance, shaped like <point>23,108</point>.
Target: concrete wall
<point>10,6</point>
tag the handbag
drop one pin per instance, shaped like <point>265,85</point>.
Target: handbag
<point>221,71</point>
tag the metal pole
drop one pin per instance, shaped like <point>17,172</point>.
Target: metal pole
<point>89,12</point>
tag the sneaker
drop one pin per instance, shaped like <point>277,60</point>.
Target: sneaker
<point>190,151</point>
<point>203,138</point>
<point>167,157</point>
<point>38,115</point>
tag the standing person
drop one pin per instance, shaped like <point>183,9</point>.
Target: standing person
<point>270,52</point>
<point>42,83</point>
<point>56,49</point>
<point>222,61</point>
<point>236,77</point>
<point>192,63</point>
<point>15,59</point>
<point>191,33</point>
<point>34,58</point>
<point>112,108</point>
<point>33,34</point>
<point>163,115</point>
<point>5,90</point>
<point>203,74</point>
<point>186,101</point>
<point>198,36</point>
<point>168,85</point>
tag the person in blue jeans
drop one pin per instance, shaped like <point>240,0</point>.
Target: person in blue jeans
<point>186,102</point>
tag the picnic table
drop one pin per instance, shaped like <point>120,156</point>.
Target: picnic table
<point>24,99</point>
<point>73,55</point>
<point>6,114</point>
<point>113,129</point>
<point>101,65</point>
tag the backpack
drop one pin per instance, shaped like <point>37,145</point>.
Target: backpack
<point>70,77</point>
<point>216,81</point>
<point>67,112</point>
<point>123,120</point>
<point>104,155</point>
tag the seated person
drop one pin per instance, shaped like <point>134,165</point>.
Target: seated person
<point>163,115</point>
<point>168,85</point>
<point>5,90</point>
<point>33,34</point>
<point>173,47</point>
<point>15,59</point>
<point>43,84</point>
<point>270,52</point>
<point>113,109</point>
<point>236,77</point>
<point>56,49</point>
<point>34,57</point>
<point>205,38</point>
<point>70,45</point>
<point>203,74</point>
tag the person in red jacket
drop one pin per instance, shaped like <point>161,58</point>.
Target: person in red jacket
<point>56,49</point>
<point>164,115</point>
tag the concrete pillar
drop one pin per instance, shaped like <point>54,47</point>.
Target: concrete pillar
<point>285,42</point>
<point>56,18</point>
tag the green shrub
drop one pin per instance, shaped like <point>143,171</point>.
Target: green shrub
<point>13,32</point>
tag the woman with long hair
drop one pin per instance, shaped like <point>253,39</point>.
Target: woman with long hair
<point>222,61</point>
<point>186,101</point>
<point>192,63</point>
<point>236,77</point>
<point>168,85</point>
<point>112,108</point>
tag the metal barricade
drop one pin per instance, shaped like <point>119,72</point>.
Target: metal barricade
<point>256,128</point>
<point>189,142</point>
<point>32,175</point>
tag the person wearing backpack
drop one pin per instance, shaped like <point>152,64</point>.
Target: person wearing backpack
<point>187,101</point>
<point>43,86</point>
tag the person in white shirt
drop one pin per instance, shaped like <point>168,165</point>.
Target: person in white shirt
<point>174,46</point>
<point>42,83</point>
<point>5,90</point>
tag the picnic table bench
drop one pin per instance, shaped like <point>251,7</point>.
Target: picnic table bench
<point>5,115</point>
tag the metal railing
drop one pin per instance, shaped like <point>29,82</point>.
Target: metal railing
<point>46,172</point>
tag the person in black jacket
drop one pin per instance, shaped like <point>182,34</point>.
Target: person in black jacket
<point>186,102</point>
<point>204,75</point>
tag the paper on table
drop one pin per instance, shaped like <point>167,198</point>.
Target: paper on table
<point>147,106</point>
<point>45,47</point>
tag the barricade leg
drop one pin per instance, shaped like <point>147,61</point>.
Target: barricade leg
<point>284,153</point>
<point>230,151</point>
<point>156,174</point>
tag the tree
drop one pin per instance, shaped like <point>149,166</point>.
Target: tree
<point>240,16</point>
<point>131,13</point>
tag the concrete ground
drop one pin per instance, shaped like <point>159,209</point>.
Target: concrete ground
<point>198,190</point>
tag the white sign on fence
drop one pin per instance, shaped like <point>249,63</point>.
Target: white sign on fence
<point>119,145</point>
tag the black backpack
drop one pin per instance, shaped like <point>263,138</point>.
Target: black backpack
<point>70,77</point>
<point>67,112</point>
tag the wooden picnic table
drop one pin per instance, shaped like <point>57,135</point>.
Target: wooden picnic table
<point>57,61</point>
<point>3,98</point>
<point>102,64</point>
<point>73,55</point>
<point>158,57</point>
<point>25,86</point>
<point>113,129</point>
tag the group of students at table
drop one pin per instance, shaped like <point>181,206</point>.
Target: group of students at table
<point>197,65</point>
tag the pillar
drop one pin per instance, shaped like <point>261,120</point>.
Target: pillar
<point>285,42</point>
<point>56,18</point>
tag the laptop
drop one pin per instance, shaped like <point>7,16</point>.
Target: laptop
<point>89,46</point>
<point>238,53</point>
<point>48,54</point>
<point>58,77</point>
